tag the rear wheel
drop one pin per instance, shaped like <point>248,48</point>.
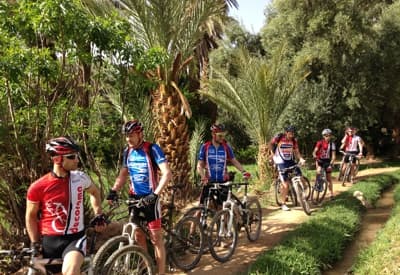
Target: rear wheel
<point>278,195</point>
<point>187,243</point>
<point>252,219</point>
<point>130,259</point>
<point>222,238</point>
<point>205,216</point>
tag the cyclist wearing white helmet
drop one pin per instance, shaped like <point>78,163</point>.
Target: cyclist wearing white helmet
<point>325,155</point>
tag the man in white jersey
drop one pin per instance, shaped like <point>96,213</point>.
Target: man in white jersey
<point>351,144</point>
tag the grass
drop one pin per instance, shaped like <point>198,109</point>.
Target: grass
<point>382,256</point>
<point>318,243</point>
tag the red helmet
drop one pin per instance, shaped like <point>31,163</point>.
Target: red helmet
<point>61,146</point>
<point>217,128</point>
<point>132,126</point>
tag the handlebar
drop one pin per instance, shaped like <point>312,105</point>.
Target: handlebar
<point>349,154</point>
<point>290,168</point>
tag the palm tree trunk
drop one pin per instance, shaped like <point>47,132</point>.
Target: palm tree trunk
<point>171,133</point>
<point>264,168</point>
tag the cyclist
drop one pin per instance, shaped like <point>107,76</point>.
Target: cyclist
<point>57,199</point>
<point>284,149</point>
<point>213,160</point>
<point>140,162</point>
<point>351,144</point>
<point>325,155</point>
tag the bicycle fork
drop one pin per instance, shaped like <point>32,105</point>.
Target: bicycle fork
<point>225,226</point>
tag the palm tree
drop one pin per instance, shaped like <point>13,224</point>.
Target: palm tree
<point>186,29</point>
<point>257,94</point>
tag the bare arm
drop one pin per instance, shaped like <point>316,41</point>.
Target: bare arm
<point>121,179</point>
<point>314,153</point>
<point>237,164</point>
<point>31,221</point>
<point>95,199</point>
<point>166,176</point>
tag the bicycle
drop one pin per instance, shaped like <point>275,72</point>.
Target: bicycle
<point>25,257</point>
<point>320,187</point>
<point>184,243</point>
<point>226,224</point>
<point>291,192</point>
<point>346,174</point>
<point>300,190</point>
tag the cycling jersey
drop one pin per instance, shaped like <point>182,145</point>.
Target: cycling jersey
<point>61,202</point>
<point>216,161</point>
<point>143,177</point>
<point>284,149</point>
<point>324,149</point>
<point>351,143</point>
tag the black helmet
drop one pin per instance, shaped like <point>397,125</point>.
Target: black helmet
<point>62,146</point>
<point>216,128</point>
<point>132,126</point>
<point>290,128</point>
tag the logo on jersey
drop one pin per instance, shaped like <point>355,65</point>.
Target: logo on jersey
<point>58,211</point>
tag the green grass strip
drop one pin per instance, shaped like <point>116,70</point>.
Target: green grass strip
<point>382,256</point>
<point>318,243</point>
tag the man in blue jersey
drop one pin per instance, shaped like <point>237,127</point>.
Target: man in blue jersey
<point>213,160</point>
<point>140,159</point>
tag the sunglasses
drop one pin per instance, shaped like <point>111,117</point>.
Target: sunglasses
<point>220,135</point>
<point>327,135</point>
<point>71,156</point>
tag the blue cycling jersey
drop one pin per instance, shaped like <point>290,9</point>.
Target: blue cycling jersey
<point>143,179</point>
<point>216,162</point>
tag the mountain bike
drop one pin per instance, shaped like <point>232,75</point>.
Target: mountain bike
<point>226,224</point>
<point>183,243</point>
<point>300,189</point>
<point>35,264</point>
<point>347,171</point>
<point>341,170</point>
<point>291,197</point>
<point>320,187</point>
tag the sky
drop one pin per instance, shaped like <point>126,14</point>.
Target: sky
<point>250,14</point>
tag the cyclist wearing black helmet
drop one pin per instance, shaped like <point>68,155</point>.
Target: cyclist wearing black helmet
<point>284,149</point>
<point>140,162</point>
<point>58,197</point>
<point>213,160</point>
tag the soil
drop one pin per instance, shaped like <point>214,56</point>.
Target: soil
<point>276,223</point>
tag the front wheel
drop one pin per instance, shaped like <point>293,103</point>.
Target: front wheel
<point>252,219</point>
<point>302,197</point>
<point>223,236</point>
<point>187,242</point>
<point>106,250</point>
<point>278,194</point>
<point>130,259</point>
<point>319,191</point>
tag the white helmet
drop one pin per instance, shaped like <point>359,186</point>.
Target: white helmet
<point>326,132</point>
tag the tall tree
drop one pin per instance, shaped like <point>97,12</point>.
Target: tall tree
<point>185,29</point>
<point>255,91</point>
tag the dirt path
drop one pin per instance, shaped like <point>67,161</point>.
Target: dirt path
<point>276,224</point>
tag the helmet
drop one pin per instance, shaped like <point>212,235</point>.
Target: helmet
<point>290,128</point>
<point>216,128</point>
<point>132,126</point>
<point>61,146</point>
<point>326,132</point>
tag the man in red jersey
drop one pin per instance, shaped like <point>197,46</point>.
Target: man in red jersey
<point>55,210</point>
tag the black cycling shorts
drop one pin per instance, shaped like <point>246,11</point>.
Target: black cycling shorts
<point>220,195</point>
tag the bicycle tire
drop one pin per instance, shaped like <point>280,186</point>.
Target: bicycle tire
<point>346,174</point>
<point>106,250</point>
<point>357,167</point>
<point>318,196</point>
<point>130,259</point>
<point>278,196</point>
<point>222,241</point>
<point>253,216</point>
<point>301,196</point>
<point>307,187</point>
<point>187,242</point>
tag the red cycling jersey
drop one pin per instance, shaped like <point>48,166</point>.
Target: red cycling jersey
<point>61,202</point>
<point>324,149</point>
